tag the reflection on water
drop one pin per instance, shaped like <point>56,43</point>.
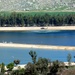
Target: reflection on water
<point>66,38</point>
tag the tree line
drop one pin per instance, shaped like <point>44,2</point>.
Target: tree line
<point>19,19</point>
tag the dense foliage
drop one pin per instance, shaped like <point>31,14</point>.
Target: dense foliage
<point>40,66</point>
<point>10,66</point>
<point>36,19</point>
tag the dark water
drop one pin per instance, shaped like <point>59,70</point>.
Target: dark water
<point>8,55</point>
<point>66,38</point>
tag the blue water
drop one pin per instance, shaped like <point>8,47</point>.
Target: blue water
<point>8,55</point>
<point>66,38</point>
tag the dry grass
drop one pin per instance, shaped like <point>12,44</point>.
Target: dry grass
<point>68,72</point>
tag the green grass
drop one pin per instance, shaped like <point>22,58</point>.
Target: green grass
<point>7,13</point>
<point>45,12</point>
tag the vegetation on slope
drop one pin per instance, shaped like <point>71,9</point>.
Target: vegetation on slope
<point>28,5</point>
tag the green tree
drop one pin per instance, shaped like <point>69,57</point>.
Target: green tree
<point>13,18</point>
<point>31,69</point>
<point>10,66</point>
<point>16,62</point>
<point>69,59</point>
<point>55,67</point>
<point>2,67</point>
<point>33,55</point>
<point>42,66</point>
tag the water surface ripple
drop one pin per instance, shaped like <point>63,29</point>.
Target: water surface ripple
<point>65,38</point>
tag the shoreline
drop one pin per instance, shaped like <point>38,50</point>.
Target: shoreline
<point>48,47</point>
<point>37,28</point>
<point>55,28</point>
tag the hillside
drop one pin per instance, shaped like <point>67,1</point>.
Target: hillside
<point>24,5</point>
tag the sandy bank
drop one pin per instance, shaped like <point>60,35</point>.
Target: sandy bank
<point>37,28</point>
<point>36,46</point>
